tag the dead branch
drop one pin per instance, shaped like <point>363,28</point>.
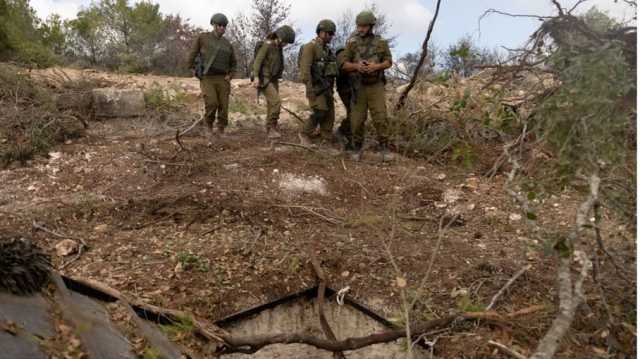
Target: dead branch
<point>425,49</point>
<point>311,210</point>
<point>81,249</point>
<point>515,277</point>
<point>571,296</point>
<point>326,328</point>
<point>506,350</point>
<point>293,114</point>
<point>201,328</point>
<point>273,144</point>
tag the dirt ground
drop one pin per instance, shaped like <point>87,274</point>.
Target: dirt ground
<point>218,228</point>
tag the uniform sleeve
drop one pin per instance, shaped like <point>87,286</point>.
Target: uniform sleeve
<point>348,53</point>
<point>262,54</point>
<point>191,57</point>
<point>386,52</point>
<point>306,61</point>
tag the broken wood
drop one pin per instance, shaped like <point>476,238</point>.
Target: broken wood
<point>311,149</point>
<point>506,350</point>
<point>322,286</point>
<point>515,277</point>
<point>294,115</point>
<point>423,56</point>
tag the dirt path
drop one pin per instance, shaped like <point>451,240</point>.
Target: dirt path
<point>223,227</point>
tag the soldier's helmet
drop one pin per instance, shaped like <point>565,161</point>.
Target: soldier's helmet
<point>366,18</point>
<point>286,34</point>
<point>219,19</point>
<point>326,25</point>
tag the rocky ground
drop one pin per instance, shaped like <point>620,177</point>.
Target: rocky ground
<point>218,227</point>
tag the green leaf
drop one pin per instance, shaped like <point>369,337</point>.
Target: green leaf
<point>531,196</point>
<point>531,216</point>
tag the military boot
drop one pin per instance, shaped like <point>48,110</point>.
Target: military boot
<point>220,131</point>
<point>387,155</point>
<point>355,154</point>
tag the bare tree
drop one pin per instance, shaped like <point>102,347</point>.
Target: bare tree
<point>267,16</point>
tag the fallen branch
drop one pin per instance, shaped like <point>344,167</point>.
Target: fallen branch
<point>81,249</point>
<point>571,296</point>
<point>273,144</point>
<point>252,344</point>
<point>515,277</point>
<point>310,210</point>
<point>423,56</point>
<point>302,121</point>
<point>326,328</point>
<point>507,350</point>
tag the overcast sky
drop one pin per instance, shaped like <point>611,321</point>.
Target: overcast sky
<point>409,18</point>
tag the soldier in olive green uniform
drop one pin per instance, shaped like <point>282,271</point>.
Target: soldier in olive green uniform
<point>367,56</point>
<point>318,70</point>
<point>268,67</point>
<point>219,63</point>
<point>345,91</point>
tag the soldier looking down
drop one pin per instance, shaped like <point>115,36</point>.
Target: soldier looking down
<point>268,67</point>
<point>318,71</point>
<point>367,56</point>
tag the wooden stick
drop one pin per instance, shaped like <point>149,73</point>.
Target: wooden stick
<point>326,328</point>
<point>293,114</point>
<point>507,285</point>
<point>506,350</point>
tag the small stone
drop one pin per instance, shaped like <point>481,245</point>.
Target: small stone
<point>471,207</point>
<point>101,228</point>
<point>66,247</point>
<point>441,177</point>
<point>231,166</point>
<point>179,268</point>
<point>514,217</point>
<point>225,212</point>
<point>345,274</point>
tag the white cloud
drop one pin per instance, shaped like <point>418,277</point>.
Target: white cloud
<point>67,9</point>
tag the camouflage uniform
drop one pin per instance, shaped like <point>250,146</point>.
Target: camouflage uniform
<point>217,53</point>
<point>318,70</point>
<point>345,91</point>
<point>368,89</point>
<point>269,64</point>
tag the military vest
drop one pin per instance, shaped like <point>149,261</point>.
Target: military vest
<point>370,49</point>
<point>217,53</point>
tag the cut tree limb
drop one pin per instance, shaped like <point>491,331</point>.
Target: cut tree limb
<point>423,56</point>
<point>515,277</point>
<point>503,348</point>
<point>322,279</point>
<point>570,296</point>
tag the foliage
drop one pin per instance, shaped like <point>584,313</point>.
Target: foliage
<point>464,57</point>
<point>164,99</point>
<point>588,123</point>
<point>190,261</point>
<point>20,37</point>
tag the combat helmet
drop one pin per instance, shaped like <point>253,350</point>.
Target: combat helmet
<point>219,19</point>
<point>366,18</point>
<point>286,34</point>
<point>326,25</point>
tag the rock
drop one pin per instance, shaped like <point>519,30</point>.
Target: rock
<point>112,102</point>
<point>66,247</point>
<point>231,166</point>
<point>441,177</point>
<point>452,195</point>
<point>514,217</point>
<point>179,268</point>
<point>101,228</point>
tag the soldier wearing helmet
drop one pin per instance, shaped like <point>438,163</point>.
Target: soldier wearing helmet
<point>318,71</point>
<point>268,67</point>
<point>216,65</point>
<point>366,57</point>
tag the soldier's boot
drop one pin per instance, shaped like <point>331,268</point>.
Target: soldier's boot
<point>355,154</point>
<point>343,140</point>
<point>220,131</point>
<point>212,134</point>
<point>272,133</point>
<point>305,140</point>
<point>387,155</point>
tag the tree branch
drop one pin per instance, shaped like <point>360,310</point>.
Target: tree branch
<point>322,286</point>
<point>423,56</point>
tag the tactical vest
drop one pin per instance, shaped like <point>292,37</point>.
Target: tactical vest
<point>325,65</point>
<point>218,52</point>
<point>369,48</point>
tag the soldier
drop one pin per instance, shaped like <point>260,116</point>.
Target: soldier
<point>218,63</point>
<point>345,91</point>
<point>366,57</point>
<point>318,70</point>
<point>268,67</point>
